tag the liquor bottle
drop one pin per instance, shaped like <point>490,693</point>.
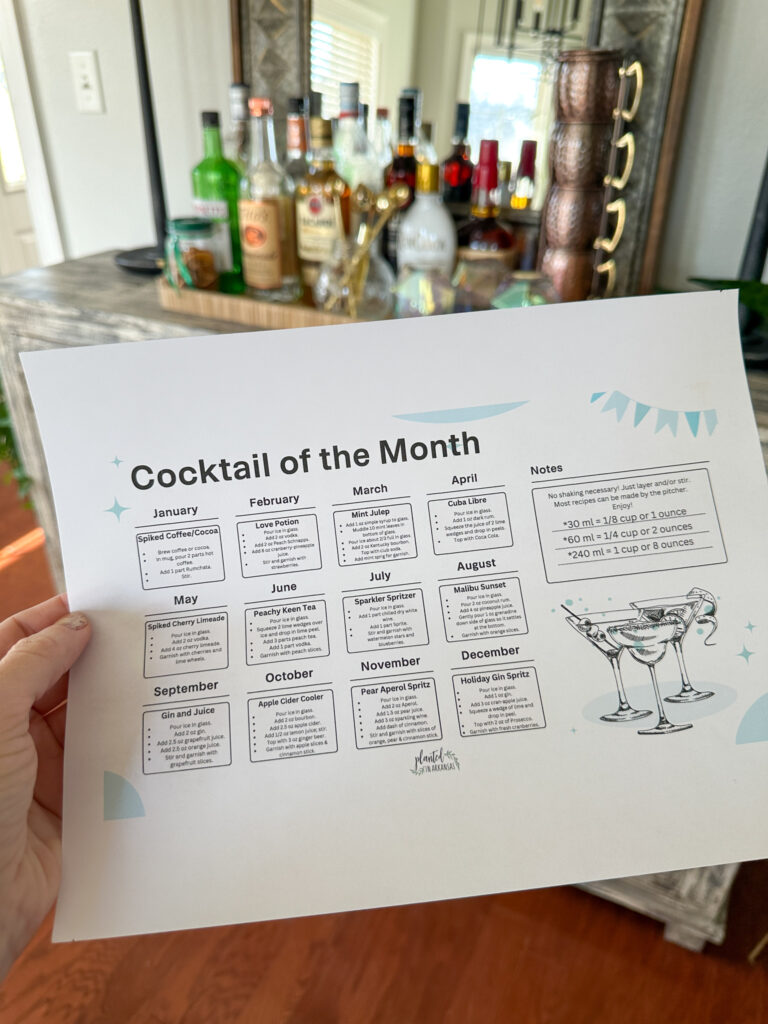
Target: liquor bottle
<point>482,237</point>
<point>425,148</point>
<point>505,185</point>
<point>237,139</point>
<point>525,179</point>
<point>457,169</point>
<point>402,170</point>
<point>427,236</point>
<point>353,154</point>
<point>267,228</point>
<point>215,185</point>
<point>317,222</point>
<point>382,138</point>
<point>296,139</point>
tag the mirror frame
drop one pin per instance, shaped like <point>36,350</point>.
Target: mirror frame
<point>273,52</point>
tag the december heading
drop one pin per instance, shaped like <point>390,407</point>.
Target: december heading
<point>258,464</point>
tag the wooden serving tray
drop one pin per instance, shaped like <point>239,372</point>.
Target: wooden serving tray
<point>240,309</point>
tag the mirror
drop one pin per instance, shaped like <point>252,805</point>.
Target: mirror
<point>499,55</point>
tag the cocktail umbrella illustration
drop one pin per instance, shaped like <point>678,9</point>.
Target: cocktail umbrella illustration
<point>647,642</point>
<point>600,640</point>
<point>697,605</point>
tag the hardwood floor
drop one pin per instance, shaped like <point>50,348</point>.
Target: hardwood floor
<point>556,956</point>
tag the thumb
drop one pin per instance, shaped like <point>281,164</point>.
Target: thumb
<point>36,663</point>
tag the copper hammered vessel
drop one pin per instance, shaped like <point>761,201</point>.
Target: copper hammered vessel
<point>570,272</point>
<point>588,85</point>
<point>580,153</point>
<point>572,217</point>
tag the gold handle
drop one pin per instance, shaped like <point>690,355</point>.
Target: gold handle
<point>627,141</point>
<point>609,268</point>
<point>635,70</point>
<point>619,207</point>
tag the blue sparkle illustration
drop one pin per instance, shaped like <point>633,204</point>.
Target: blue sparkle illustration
<point>745,654</point>
<point>117,462</point>
<point>117,509</point>
<point>749,626</point>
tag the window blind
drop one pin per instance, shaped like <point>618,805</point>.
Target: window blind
<point>342,54</point>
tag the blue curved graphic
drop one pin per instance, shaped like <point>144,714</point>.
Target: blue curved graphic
<point>466,415</point>
<point>754,724</point>
<point>120,798</point>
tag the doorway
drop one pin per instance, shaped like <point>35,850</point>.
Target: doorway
<point>18,250</point>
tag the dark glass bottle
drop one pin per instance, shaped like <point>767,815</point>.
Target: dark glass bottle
<point>402,170</point>
<point>525,180</point>
<point>296,139</point>
<point>482,237</point>
<point>456,170</point>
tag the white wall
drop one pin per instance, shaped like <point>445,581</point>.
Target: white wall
<point>97,162</point>
<point>723,147</point>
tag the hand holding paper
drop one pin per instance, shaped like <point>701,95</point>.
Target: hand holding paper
<point>38,647</point>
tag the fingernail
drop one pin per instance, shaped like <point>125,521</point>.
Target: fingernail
<point>74,621</point>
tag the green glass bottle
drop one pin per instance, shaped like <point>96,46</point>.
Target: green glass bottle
<point>215,187</point>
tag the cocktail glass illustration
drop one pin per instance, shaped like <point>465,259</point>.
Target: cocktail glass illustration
<point>597,636</point>
<point>647,642</point>
<point>697,605</point>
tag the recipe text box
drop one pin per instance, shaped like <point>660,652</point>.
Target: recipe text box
<point>633,523</point>
<point>180,556</point>
<point>470,522</point>
<point>174,645</point>
<point>292,723</point>
<point>284,543</point>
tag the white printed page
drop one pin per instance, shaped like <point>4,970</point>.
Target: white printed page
<point>406,611</point>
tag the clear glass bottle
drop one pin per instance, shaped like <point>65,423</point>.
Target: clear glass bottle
<point>482,237</point>
<point>237,138</point>
<point>353,154</point>
<point>317,222</point>
<point>382,138</point>
<point>456,169</point>
<point>267,225</point>
<point>215,187</point>
<point>427,236</point>
<point>296,161</point>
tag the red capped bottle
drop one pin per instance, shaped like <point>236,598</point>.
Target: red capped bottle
<point>482,237</point>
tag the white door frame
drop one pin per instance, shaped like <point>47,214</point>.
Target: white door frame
<point>41,206</point>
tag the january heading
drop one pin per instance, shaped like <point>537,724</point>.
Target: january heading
<point>258,464</point>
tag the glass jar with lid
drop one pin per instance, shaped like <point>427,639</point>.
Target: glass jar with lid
<point>191,259</point>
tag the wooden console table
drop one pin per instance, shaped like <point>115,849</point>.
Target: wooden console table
<point>91,302</point>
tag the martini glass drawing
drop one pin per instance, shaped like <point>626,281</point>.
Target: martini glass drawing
<point>698,605</point>
<point>646,641</point>
<point>599,639</point>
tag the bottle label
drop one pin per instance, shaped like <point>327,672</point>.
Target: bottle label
<point>508,256</point>
<point>315,228</point>
<point>260,239</point>
<point>295,138</point>
<point>423,249</point>
<point>217,210</point>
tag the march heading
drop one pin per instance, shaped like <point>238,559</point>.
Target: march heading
<point>259,464</point>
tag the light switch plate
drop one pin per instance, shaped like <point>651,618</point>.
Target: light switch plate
<point>87,81</point>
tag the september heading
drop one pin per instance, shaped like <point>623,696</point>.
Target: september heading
<point>258,464</point>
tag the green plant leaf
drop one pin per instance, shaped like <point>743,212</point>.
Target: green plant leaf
<point>753,294</point>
